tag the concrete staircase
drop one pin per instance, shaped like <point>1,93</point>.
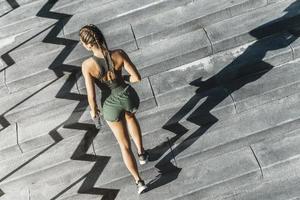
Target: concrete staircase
<point>219,99</point>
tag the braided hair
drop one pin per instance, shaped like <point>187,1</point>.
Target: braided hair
<point>90,34</point>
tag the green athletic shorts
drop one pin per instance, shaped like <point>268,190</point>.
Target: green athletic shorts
<point>114,103</point>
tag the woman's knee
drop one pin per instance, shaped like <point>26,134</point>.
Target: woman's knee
<point>125,147</point>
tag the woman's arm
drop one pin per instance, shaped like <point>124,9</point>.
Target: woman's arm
<point>90,88</point>
<point>134,75</point>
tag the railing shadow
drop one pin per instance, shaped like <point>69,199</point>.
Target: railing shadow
<point>13,4</point>
<point>246,68</point>
<point>72,122</point>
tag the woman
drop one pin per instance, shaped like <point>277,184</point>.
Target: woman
<point>119,101</point>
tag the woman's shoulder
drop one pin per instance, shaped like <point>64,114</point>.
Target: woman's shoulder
<point>87,63</point>
<point>117,56</point>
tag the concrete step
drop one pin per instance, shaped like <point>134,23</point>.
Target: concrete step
<point>17,7</point>
<point>266,94</point>
<point>209,145</point>
<point>242,98</point>
<point>21,40</point>
<point>65,6</point>
<point>192,173</point>
<point>22,194</point>
<point>283,155</point>
<point>259,23</point>
<point>21,20</point>
<point>74,178</point>
<point>62,108</point>
<point>271,190</point>
<point>31,19</point>
<point>3,88</point>
<point>82,196</point>
<point>187,11</point>
<point>277,84</point>
<point>27,103</point>
<point>141,60</point>
<point>9,143</point>
<point>187,18</point>
<point>268,190</point>
<point>214,145</point>
<point>34,161</point>
<point>64,155</point>
<point>30,52</point>
<point>36,63</point>
<point>144,60</point>
<point>171,53</point>
<point>75,154</point>
<point>41,68</point>
<point>78,6</point>
<point>109,173</point>
<point>150,66</point>
<point>237,132</point>
<point>29,81</point>
<point>61,88</point>
<point>280,176</point>
<point>34,128</point>
<point>74,55</point>
<point>129,10</point>
<point>31,35</point>
<point>63,172</point>
<point>212,139</point>
<point>252,90</point>
<point>7,7</point>
<point>16,83</point>
<point>291,161</point>
<point>221,104</point>
<point>221,68</point>
<point>168,45</point>
<point>146,90</point>
<point>143,35</point>
<point>115,35</point>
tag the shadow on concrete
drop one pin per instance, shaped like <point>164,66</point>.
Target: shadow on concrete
<point>58,66</point>
<point>13,4</point>
<point>216,89</point>
<point>246,68</point>
<point>80,153</point>
<point>9,61</point>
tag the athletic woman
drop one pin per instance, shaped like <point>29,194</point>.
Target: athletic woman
<point>119,101</point>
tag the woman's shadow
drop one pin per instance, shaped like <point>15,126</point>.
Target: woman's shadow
<point>246,68</point>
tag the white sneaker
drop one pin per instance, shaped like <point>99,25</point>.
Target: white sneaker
<point>141,186</point>
<point>143,158</point>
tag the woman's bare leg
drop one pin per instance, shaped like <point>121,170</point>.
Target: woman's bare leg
<point>119,130</point>
<point>134,130</point>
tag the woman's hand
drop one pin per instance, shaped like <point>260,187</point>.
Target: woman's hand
<point>94,113</point>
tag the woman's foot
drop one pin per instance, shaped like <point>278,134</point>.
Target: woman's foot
<point>143,158</point>
<point>141,186</point>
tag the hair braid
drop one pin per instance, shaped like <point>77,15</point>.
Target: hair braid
<point>91,34</point>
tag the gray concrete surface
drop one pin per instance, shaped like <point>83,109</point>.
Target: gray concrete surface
<point>219,95</point>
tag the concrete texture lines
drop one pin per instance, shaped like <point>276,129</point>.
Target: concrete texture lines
<point>219,96</point>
